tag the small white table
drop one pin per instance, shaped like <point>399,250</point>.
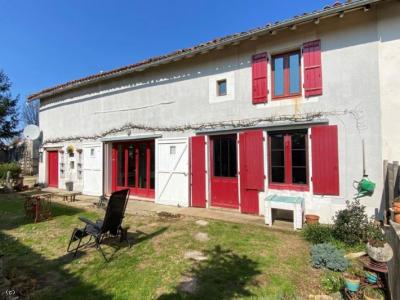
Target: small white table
<point>295,204</point>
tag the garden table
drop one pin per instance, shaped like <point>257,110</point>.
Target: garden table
<point>68,196</point>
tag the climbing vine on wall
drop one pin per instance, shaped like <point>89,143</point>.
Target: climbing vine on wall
<point>227,124</point>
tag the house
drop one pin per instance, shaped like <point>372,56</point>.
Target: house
<point>283,109</point>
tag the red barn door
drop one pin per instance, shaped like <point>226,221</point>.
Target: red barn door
<point>251,170</point>
<point>198,171</point>
<point>52,168</point>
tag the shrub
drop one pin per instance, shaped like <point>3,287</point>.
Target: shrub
<point>14,168</point>
<point>332,282</point>
<point>317,233</point>
<point>328,256</point>
<point>351,223</point>
<point>375,236</point>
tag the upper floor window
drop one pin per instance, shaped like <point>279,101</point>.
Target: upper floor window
<point>286,78</point>
<point>221,87</point>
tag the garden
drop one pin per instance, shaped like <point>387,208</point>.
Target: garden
<point>172,257</point>
<point>352,252</point>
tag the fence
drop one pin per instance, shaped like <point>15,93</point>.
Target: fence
<point>391,190</point>
<point>391,177</point>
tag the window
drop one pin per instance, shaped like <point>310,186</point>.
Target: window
<point>224,151</point>
<point>221,87</point>
<point>286,79</point>
<point>288,160</point>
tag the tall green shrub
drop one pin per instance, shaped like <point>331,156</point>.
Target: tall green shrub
<point>351,223</point>
<point>14,168</point>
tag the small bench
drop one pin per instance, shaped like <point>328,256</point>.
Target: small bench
<point>68,196</point>
<point>295,204</point>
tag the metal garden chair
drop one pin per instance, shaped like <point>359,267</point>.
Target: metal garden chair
<point>111,225</point>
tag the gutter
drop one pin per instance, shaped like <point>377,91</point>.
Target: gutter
<point>235,39</point>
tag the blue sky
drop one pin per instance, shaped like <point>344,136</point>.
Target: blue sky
<point>47,42</point>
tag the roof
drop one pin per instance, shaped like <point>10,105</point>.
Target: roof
<point>219,43</point>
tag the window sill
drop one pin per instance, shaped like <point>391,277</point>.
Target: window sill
<point>290,187</point>
<point>277,98</point>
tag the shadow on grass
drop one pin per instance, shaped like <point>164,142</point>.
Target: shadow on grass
<point>224,275</point>
<point>12,211</point>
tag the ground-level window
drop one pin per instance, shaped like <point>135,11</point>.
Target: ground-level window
<point>224,156</point>
<point>286,80</point>
<point>288,166</point>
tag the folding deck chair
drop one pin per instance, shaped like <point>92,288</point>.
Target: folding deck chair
<point>109,226</point>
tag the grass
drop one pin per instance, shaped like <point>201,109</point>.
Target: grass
<point>243,261</point>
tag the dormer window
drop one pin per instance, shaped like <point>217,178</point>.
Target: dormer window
<point>221,87</point>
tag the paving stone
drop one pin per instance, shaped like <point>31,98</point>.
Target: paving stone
<point>201,222</point>
<point>195,255</point>
<point>188,285</point>
<point>202,237</point>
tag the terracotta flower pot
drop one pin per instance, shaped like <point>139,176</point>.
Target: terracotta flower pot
<point>312,219</point>
<point>396,209</point>
<point>396,217</point>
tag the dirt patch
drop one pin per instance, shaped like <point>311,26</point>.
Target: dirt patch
<point>168,216</point>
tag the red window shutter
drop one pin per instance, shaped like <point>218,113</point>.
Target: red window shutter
<point>259,74</point>
<point>198,171</point>
<point>325,160</point>
<point>312,68</point>
<point>251,169</point>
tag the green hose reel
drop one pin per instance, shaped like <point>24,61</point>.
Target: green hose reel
<point>365,187</point>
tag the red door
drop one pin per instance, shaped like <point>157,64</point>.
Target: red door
<point>251,170</point>
<point>133,167</point>
<point>224,179</point>
<point>198,170</point>
<point>52,165</point>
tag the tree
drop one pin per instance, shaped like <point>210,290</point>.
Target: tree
<point>8,110</point>
<point>30,113</point>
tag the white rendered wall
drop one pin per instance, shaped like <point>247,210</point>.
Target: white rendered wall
<point>179,93</point>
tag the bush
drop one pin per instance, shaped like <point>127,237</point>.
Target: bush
<point>327,256</point>
<point>317,233</point>
<point>375,236</point>
<point>351,223</point>
<point>14,168</point>
<point>332,282</point>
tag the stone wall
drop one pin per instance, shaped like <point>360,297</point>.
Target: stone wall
<point>393,237</point>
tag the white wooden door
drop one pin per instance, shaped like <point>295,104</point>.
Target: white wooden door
<point>172,171</point>
<point>93,169</point>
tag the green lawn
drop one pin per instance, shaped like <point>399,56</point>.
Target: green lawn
<point>243,261</point>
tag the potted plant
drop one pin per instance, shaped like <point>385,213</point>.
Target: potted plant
<point>396,210</point>
<point>70,150</point>
<point>351,281</point>
<point>377,247</point>
<point>373,294</point>
<point>312,219</point>
<point>371,277</point>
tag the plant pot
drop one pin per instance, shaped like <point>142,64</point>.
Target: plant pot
<point>352,283</point>
<point>396,204</point>
<point>396,217</point>
<point>371,277</point>
<point>366,296</point>
<point>380,254</point>
<point>312,219</point>
<point>69,185</point>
